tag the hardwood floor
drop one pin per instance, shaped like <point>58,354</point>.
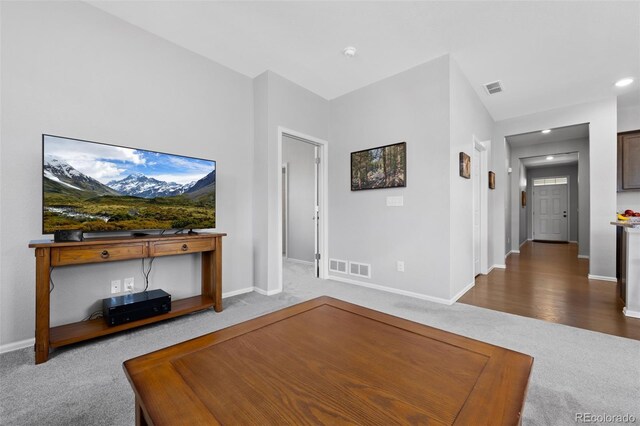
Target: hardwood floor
<point>548,282</point>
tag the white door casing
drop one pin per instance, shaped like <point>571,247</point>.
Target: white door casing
<point>550,212</point>
<point>477,217</point>
<point>285,210</point>
<point>481,150</point>
<point>275,263</point>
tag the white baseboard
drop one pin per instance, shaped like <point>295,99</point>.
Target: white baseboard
<point>497,266</point>
<point>17,345</point>
<point>468,287</point>
<point>602,278</point>
<point>573,242</point>
<point>393,290</point>
<point>583,256</point>
<point>304,262</point>
<point>629,313</point>
<point>267,292</point>
<point>237,292</point>
<point>523,243</point>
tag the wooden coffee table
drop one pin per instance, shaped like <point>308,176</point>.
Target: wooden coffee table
<point>326,361</point>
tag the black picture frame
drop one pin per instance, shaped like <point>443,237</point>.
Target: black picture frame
<point>380,167</point>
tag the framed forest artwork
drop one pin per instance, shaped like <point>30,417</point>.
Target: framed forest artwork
<point>465,166</point>
<point>492,180</point>
<point>523,198</point>
<point>381,167</point>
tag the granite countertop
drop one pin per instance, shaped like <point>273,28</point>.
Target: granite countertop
<point>627,224</point>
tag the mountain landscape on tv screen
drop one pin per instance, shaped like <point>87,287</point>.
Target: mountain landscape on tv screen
<point>75,200</point>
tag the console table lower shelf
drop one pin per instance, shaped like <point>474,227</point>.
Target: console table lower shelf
<point>50,254</point>
<point>78,331</point>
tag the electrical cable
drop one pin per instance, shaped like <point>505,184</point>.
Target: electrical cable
<point>146,272</point>
<point>53,285</point>
<point>92,316</point>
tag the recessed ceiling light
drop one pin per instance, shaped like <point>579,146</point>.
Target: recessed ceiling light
<point>349,51</point>
<point>624,82</point>
<point>549,157</point>
<point>545,131</point>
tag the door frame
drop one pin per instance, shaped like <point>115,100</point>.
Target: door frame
<point>323,183</point>
<point>285,213</point>
<point>533,205</point>
<point>482,147</point>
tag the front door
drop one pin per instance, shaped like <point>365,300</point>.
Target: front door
<point>550,218</point>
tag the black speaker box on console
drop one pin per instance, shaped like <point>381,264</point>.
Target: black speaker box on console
<point>132,307</point>
<point>66,235</point>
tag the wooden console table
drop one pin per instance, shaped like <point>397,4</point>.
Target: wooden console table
<point>98,250</point>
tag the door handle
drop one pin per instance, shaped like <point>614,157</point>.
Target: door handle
<point>564,215</point>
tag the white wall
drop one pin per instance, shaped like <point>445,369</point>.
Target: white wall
<point>628,120</point>
<point>300,160</point>
<point>581,146</point>
<point>413,107</point>
<point>601,117</point>
<point>278,102</point>
<point>70,69</point>
<point>468,119</point>
<point>571,171</point>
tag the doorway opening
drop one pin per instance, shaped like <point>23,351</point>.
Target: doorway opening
<point>302,205</point>
<point>480,178</point>
<point>543,205</point>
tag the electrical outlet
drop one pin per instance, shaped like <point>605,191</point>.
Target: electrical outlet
<point>128,284</point>
<point>116,286</point>
<point>400,265</point>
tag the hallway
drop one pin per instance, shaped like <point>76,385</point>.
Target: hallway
<point>548,282</point>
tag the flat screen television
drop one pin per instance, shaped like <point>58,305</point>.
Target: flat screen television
<point>98,187</point>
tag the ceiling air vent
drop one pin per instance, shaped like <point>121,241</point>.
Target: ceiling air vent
<point>493,87</point>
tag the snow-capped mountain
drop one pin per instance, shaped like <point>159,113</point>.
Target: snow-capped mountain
<point>208,180</point>
<point>139,185</point>
<point>64,174</point>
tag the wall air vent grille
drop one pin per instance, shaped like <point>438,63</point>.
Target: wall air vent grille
<point>336,265</point>
<point>360,269</point>
<point>493,87</point>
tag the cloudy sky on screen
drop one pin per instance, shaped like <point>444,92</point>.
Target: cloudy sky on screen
<point>108,162</point>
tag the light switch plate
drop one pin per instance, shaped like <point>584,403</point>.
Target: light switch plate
<point>397,201</point>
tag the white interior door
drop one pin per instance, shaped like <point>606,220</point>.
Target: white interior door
<point>475,177</point>
<point>550,218</point>
<point>285,210</point>
<point>316,216</point>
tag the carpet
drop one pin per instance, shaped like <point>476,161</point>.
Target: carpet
<point>575,371</point>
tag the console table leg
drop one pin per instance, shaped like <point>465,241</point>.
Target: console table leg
<point>217,275</point>
<point>212,275</point>
<point>43,265</point>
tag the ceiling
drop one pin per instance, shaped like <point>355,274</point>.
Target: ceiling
<point>558,159</point>
<point>580,131</point>
<point>547,54</point>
